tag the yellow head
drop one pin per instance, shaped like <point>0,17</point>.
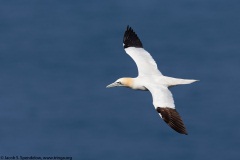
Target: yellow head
<point>125,82</point>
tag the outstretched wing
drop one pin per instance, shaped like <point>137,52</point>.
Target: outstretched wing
<point>134,48</point>
<point>164,105</point>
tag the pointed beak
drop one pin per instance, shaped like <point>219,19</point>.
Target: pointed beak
<point>112,85</point>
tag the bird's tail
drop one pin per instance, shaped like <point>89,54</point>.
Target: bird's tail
<point>186,81</point>
<point>178,81</point>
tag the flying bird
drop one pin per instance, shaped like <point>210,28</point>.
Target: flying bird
<point>151,79</point>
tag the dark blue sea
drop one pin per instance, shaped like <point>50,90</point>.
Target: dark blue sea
<point>56,58</point>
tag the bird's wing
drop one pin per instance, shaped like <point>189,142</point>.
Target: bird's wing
<point>164,105</point>
<point>134,48</point>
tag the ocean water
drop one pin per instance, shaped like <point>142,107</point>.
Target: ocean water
<point>56,58</point>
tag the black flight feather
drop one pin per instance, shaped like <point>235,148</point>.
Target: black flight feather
<point>173,119</point>
<point>131,39</point>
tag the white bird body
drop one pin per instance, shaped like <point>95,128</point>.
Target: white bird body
<point>151,79</point>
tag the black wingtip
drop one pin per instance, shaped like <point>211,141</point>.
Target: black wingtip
<point>131,39</point>
<point>173,119</point>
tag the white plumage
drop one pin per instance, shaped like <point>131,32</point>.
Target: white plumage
<point>151,79</point>
<point>144,61</point>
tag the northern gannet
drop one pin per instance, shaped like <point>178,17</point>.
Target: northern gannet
<point>151,79</point>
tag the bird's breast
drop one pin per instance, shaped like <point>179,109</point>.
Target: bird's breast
<point>139,83</point>
<point>142,88</point>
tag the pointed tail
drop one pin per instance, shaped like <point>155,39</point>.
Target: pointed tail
<point>177,81</point>
<point>186,81</point>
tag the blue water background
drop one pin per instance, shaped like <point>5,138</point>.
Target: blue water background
<point>56,58</point>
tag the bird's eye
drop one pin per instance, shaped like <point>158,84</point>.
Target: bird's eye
<point>119,83</point>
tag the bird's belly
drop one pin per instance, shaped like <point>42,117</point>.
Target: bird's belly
<point>142,88</point>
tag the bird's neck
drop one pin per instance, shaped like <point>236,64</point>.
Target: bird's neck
<point>133,83</point>
<point>128,82</point>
